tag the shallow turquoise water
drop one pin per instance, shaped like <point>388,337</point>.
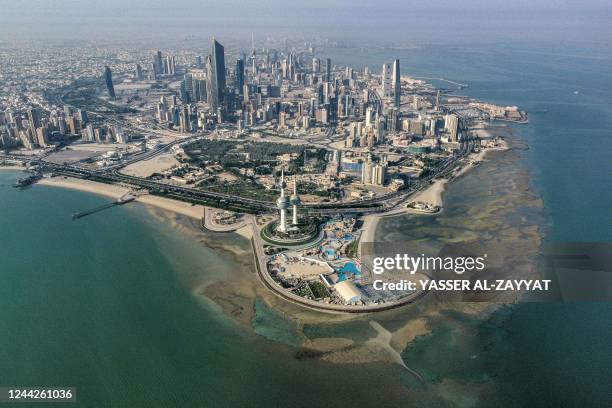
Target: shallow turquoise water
<point>104,304</point>
<point>100,303</point>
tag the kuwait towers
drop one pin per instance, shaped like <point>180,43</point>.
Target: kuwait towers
<point>290,232</point>
<point>295,201</point>
<point>282,203</point>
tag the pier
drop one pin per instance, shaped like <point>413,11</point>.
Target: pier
<point>448,81</point>
<point>127,198</point>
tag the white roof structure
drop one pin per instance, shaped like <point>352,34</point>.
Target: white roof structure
<point>348,291</point>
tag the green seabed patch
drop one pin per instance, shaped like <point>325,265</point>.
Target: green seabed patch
<point>449,352</point>
<point>272,325</point>
<point>357,330</point>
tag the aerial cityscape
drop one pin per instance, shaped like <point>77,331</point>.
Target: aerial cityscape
<point>228,137</point>
<point>250,204</point>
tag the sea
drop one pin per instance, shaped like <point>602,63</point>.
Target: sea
<point>126,305</point>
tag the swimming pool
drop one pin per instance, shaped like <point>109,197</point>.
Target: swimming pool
<point>350,267</point>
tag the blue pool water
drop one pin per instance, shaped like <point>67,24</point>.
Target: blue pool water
<point>350,267</point>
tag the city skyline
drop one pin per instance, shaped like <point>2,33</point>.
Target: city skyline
<point>249,201</point>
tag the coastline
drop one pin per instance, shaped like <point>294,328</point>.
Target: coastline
<point>13,167</point>
<point>116,192</point>
<point>433,194</point>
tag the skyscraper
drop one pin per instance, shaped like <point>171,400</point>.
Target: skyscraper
<point>34,119</point>
<point>240,76</point>
<point>217,71</point>
<point>397,86</point>
<point>316,65</point>
<point>379,172</point>
<point>451,123</point>
<point>386,79</point>
<point>158,65</point>
<point>138,75</point>
<point>108,77</point>
<point>328,70</point>
<point>82,115</point>
<point>209,82</point>
<point>169,65</point>
<point>184,120</point>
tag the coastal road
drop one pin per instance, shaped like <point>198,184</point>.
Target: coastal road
<point>261,264</point>
<point>377,204</point>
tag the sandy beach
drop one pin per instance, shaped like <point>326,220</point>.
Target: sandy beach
<point>369,228</point>
<point>432,194</point>
<point>115,192</point>
<point>12,167</point>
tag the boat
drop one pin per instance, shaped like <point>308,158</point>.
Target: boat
<point>26,181</point>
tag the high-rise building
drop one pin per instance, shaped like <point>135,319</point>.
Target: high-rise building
<point>366,172</point>
<point>386,80</point>
<point>240,76</point>
<point>170,65</point>
<point>185,120</point>
<point>152,72</point>
<point>61,126</point>
<point>158,65</point>
<point>25,139</point>
<point>316,65</point>
<point>451,123</point>
<point>379,173</point>
<point>328,69</point>
<point>199,89</point>
<point>42,136</point>
<point>82,116</point>
<point>72,125</point>
<point>397,86</point>
<point>34,119</point>
<point>108,78</point>
<point>217,79</point>
<point>138,75</point>
<point>188,85</point>
<point>209,82</point>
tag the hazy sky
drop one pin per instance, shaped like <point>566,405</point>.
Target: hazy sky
<point>391,20</point>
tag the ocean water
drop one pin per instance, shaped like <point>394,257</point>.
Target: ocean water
<point>534,354</point>
<point>107,303</point>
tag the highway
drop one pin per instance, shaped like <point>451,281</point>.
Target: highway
<point>112,175</point>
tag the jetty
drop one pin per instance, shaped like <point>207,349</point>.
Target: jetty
<point>126,198</point>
